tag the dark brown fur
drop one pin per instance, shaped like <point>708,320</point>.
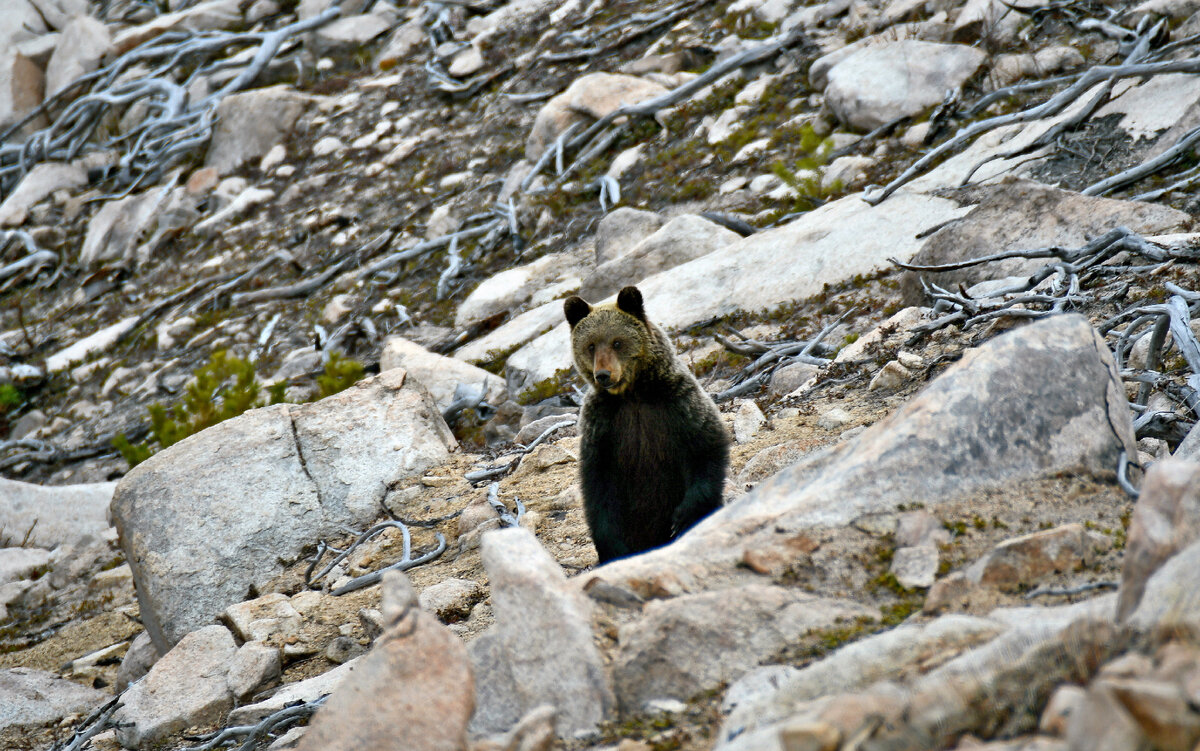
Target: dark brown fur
<point>653,450</point>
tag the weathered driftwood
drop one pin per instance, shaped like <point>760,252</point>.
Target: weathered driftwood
<point>1140,63</point>
<point>173,127</point>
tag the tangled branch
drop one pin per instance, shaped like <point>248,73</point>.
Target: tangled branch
<point>174,126</point>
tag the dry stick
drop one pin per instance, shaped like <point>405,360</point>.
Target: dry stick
<point>422,248</point>
<point>1052,106</point>
<point>680,93</point>
<point>499,470</point>
<point>95,723</point>
<point>506,517</point>
<point>299,289</point>
<point>1146,168</point>
<point>1152,356</point>
<point>255,734</point>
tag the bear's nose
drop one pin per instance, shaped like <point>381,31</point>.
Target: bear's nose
<point>603,377</point>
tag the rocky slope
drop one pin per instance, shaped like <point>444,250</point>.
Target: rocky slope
<point>933,259</point>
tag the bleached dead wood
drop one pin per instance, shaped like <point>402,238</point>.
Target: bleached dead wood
<point>1100,75</point>
<point>173,127</point>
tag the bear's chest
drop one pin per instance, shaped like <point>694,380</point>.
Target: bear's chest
<point>639,435</point>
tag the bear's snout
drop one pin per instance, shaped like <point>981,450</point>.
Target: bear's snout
<point>604,378</point>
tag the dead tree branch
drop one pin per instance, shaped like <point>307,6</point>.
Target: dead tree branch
<point>174,126</point>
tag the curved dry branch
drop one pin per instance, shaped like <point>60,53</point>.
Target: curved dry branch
<point>1104,74</point>
<point>173,126</point>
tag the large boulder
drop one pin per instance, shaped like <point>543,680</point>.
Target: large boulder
<point>83,44</point>
<point>221,512</point>
<point>441,375</point>
<point>541,649</point>
<point>1042,399</point>
<point>685,645</point>
<point>684,238</point>
<point>30,699</point>
<point>832,244</point>
<point>879,84</point>
<point>415,684</point>
<point>589,97</point>
<point>41,181</point>
<point>251,123</point>
<point>1016,214</point>
<point>54,515</point>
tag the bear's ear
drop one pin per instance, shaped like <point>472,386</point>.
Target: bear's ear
<point>629,300</point>
<point>576,308</point>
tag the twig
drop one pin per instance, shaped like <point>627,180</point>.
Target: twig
<point>1052,106</point>
<point>95,724</point>
<point>506,517</point>
<point>255,734</point>
<point>1067,591</point>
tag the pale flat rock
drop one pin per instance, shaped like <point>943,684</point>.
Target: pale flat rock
<point>65,514</point>
<point>1148,108</point>
<point>269,482</point>
<point>253,666</point>
<point>1166,519</point>
<point>439,374</point>
<point>998,153</point>
<point>511,288</point>
<point>451,600</point>
<point>1026,559</point>
<point>21,563</point>
<point>622,229</point>
<point>301,691</point>
<point>349,32</point>
<point>541,649</point>
<point>41,181</point>
<point>831,244</point>
<point>818,72</point>
<point>31,699</point>
<point>879,84</point>
<point>186,687</point>
<point>262,617</point>
<point>97,342</point>
<point>214,14</point>
<point>1016,214</point>
<point>859,664</point>
<point>915,565</point>
<point>251,123</point>
<point>520,330</point>
<point>405,41</point>
<point>415,684</point>
<point>682,239</point>
<point>518,14</point>
<point>114,232</point>
<point>938,446</point>
<point>688,644</point>
<point>84,43</point>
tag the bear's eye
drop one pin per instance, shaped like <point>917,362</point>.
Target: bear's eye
<point>617,344</point>
<point>591,349</point>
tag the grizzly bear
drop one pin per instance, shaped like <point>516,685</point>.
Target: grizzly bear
<point>653,450</point>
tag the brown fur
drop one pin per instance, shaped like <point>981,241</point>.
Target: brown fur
<point>653,451</point>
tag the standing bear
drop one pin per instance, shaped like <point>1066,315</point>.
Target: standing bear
<point>653,450</point>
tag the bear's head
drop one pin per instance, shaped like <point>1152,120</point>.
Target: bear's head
<point>610,342</point>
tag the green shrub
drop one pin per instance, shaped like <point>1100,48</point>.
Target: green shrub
<point>222,388</point>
